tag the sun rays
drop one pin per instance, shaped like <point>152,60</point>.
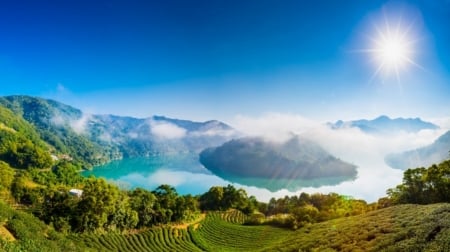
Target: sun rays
<point>393,47</point>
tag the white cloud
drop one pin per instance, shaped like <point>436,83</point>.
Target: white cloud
<point>214,132</point>
<point>166,130</point>
<point>274,126</point>
<point>80,125</point>
<point>133,135</point>
<point>442,122</point>
<point>349,144</point>
<point>106,137</point>
<point>57,120</point>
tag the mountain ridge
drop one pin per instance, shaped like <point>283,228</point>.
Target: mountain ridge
<point>255,157</point>
<point>96,139</point>
<point>434,153</point>
<point>385,125</point>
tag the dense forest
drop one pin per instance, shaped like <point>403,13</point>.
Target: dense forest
<point>37,197</point>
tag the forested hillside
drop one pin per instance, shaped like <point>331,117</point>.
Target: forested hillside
<point>95,139</point>
<point>52,120</point>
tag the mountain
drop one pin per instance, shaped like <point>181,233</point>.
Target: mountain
<point>157,135</point>
<point>56,124</point>
<point>96,139</point>
<point>385,125</point>
<point>422,157</point>
<point>257,158</point>
<point>20,143</point>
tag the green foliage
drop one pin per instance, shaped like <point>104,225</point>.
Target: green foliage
<point>424,186</point>
<point>223,198</point>
<point>143,202</point>
<point>294,212</point>
<point>52,120</point>
<point>67,173</point>
<point>6,176</point>
<point>398,228</point>
<point>20,144</point>
<point>31,234</point>
<point>97,204</point>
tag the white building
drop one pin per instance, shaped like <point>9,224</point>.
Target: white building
<point>76,192</point>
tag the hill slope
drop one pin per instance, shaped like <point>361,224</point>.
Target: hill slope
<point>54,122</point>
<point>422,157</point>
<point>256,157</point>
<point>95,139</point>
<point>20,144</point>
<point>397,228</point>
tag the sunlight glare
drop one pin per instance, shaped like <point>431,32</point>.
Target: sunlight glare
<point>394,46</point>
<point>393,52</point>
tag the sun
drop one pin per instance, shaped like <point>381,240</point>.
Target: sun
<point>393,51</point>
<point>393,48</point>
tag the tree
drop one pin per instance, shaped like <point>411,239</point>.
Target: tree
<point>123,217</point>
<point>143,202</point>
<point>6,176</point>
<point>166,202</point>
<point>212,200</point>
<point>423,186</point>
<point>97,204</point>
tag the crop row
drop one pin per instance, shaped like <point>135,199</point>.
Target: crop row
<point>219,231</point>
<point>216,234</point>
<point>156,239</point>
<point>234,216</point>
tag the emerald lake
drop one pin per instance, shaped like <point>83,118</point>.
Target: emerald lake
<point>188,176</point>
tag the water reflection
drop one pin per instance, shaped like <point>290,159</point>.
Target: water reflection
<point>188,176</point>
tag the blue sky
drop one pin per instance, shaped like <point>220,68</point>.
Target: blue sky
<point>217,59</point>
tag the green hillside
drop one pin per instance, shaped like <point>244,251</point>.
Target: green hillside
<point>20,144</point>
<point>52,120</point>
<point>398,228</point>
<point>21,231</point>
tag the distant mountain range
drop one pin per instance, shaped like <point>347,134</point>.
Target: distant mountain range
<point>385,125</point>
<point>258,158</point>
<point>422,157</point>
<point>96,139</point>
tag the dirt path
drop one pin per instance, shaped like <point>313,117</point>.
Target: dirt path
<point>187,224</point>
<point>5,234</point>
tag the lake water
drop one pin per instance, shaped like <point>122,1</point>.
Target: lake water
<point>188,176</point>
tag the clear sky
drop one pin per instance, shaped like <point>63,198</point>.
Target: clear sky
<point>217,59</point>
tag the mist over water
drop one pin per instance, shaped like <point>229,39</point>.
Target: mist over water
<point>367,152</point>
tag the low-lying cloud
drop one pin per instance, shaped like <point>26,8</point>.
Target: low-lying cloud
<point>166,130</point>
<point>80,125</point>
<point>274,126</point>
<point>349,144</point>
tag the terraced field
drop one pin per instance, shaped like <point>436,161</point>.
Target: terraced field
<point>156,239</point>
<point>219,231</point>
<point>398,228</point>
<point>217,234</point>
